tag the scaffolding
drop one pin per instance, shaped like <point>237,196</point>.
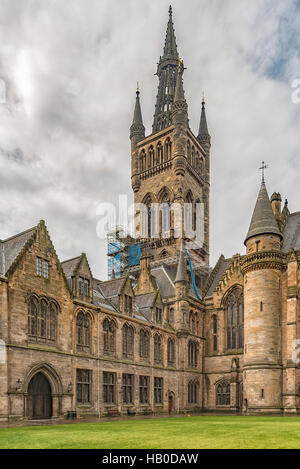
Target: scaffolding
<point>123,251</point>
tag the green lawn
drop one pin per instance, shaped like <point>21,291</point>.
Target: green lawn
<point>165,433</point>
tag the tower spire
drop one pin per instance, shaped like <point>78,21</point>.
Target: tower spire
<point>167,73</point>
<point>263,220</point>
<point>170,48</point>
<point>137,128</point>
<point>203,135</point>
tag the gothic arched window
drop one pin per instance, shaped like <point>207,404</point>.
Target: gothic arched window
<point>223,393</point>
<point>193,392</point>
<point>128,338</point>
<point>235,319</point>
<point>165,215</point>
<point>193,354</point>
<point>142,161</point>
<point>171,352</point>
<point>33,317</point>
<point>172,316</point>
<point>160,153</point>
<point>189,152</point>
<point>144,344</point>
<point>157,348</point>
<point>151,154</point>
<point>215,332</point>
<point>168,149</point>
<point>52,321</point>
<point>109,332</point>
<point>42,318</point>
<point>83,325</point>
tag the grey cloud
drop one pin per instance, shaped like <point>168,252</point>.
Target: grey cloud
<point>71,118</point>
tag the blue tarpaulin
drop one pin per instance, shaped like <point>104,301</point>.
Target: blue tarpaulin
<point>134,254</point>
<point>192,275</point>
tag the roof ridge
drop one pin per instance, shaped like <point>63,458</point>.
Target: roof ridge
<point>73,259</point>
<point>19,234</point>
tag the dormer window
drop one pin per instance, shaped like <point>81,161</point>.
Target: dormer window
<point>87,288</point>
<point>46,269</point>
<point>39,266</point>
<point>158,315</point>
<point>42,267</point>
<point>80,285</point>
<point>128,305</point>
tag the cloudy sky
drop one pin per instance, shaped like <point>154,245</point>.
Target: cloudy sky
<point>70,70</point>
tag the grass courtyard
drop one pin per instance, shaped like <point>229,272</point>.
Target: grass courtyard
<point>201,432</point>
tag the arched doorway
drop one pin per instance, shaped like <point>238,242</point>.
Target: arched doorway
<point>39,404</point>
<point>171,406</point>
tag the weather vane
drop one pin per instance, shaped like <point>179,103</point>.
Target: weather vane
<point>262,169</point>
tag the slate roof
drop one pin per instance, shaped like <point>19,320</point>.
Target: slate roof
<point>112,288</point>
<point>70,265</point>
<point>217,274</point>
<point>163,281</point>
<point>11,248</point>
<point>144,304</point>
<point>263,220</point>
<point>291,234</point>
<point>99,299</point>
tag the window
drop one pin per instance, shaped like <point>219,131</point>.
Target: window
<point>127,388</point>
<point>42,316</point>
<point>171,352</point>
<point>235,320</point>
<point>109,330</point>
<point>46,269</point>
<point>83,386</point>
<point>215,333</point>
<point>157,348</point>
<point>39,266</point>
<point>144,389</point>
<point>158,390</point>
<point>80,285</point>
<point>193,391</point>
<point>83,326</point>
<point>128,305</point>
<point>223,393</point>
<point>32,317</point>
<point>172,316</point>
<point>193,354</point>
<point>109,384</point>
<point>128,337</point>
<point>144,343</point>
<point>158,315</point>
<point>42,267</point>
<point>87,288</point>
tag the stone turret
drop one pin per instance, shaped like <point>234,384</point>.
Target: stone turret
<point>137,133</point>
<point>180,122</point>
<point>261,269</point>
<point>181,292</point>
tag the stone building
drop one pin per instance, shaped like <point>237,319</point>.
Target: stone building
<point>169,335</point>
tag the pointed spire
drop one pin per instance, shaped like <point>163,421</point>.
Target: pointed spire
<point>203,128</point>
<point>263,220</point>
<point>179,92</point>
<point>181,275</point>
<point>170,48</point>
<point>167,73</point>
<point>137,127</point>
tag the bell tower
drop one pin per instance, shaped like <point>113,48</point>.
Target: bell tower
<point>170,169</point>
